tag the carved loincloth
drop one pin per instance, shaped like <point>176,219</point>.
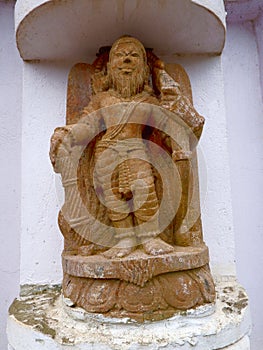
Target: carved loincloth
<point>123,168</point>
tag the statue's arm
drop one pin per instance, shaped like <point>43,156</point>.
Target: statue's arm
<point>88,123</point>
<point>79,134</point>
<point>174,99</point>
<point>182,107</point>
<point>87,127</point>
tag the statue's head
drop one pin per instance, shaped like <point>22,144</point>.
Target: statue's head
<point>127,67</point>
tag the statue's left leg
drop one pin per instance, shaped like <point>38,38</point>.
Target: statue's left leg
<point>147,233</point>
<point>146,207</point>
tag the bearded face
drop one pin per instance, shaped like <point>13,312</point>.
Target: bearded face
<point>127,70</point>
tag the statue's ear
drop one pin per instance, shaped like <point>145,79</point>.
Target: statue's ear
<point>100,63</point>
<point>79,90</point>
<point>147,74</point>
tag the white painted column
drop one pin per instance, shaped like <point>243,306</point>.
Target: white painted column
<point>10,160</point>
<point>259,35</point>
<point>43,109</point>
<point>245,129</point>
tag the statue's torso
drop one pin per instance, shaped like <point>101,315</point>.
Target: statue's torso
<point>125,119</point>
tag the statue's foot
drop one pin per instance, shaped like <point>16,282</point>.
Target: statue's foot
<point>86,250</point>
<point>156,246</point>
<point>121,249</point>
<point>90,249</point>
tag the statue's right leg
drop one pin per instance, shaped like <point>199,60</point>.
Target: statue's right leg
<point>120,215</point>
<point>125,236</point>
<point>117,204</point>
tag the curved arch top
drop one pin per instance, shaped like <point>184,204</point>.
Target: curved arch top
<point>74,29</point>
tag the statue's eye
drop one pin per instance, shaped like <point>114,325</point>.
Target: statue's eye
<point>118,54</point>
<point>135,54</point>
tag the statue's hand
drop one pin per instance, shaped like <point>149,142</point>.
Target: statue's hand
<point>65,138</point>
<point>183,107</point>
<point>60,144</point>
<point>79,134</point>
<point>178,155</point>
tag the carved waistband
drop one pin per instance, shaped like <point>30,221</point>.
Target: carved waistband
<point>121,145</point>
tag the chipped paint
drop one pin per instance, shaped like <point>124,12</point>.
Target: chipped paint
<point>41,308</point>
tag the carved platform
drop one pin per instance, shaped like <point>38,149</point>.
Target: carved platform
<point>140,286</point>
<point>96,266</point>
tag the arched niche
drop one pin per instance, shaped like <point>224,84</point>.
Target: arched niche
<point>56,30</point>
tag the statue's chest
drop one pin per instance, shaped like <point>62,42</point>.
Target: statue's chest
<point>125,112</point>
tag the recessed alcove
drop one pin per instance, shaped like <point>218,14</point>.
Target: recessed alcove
<point>49,31</point>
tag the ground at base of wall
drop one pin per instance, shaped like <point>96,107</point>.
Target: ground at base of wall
<point>39,318</point>
<point>242,344</point>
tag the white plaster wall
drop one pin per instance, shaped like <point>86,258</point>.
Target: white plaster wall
<point>43,110</point>
<point>24,7</point>
<point>216,6</point>
<point>245,128</point>
<point>259,35</point>
<point>10,160</point>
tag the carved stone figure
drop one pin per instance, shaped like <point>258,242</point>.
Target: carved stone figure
<point>131,217</point>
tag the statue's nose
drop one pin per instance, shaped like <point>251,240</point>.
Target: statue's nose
<point>127,60</point>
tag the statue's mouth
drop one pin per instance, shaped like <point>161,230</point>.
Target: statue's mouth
<point>126,70</point>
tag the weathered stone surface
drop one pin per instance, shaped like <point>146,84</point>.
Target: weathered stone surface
<point>157,299</point>
<point>97,266</point>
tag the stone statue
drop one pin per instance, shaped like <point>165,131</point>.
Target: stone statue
<point>131,217</point>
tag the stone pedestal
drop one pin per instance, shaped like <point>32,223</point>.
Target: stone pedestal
<point>161,286</point>
<point>40,319</point>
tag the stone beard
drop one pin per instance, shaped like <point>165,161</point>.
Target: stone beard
<point>127,84</point>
